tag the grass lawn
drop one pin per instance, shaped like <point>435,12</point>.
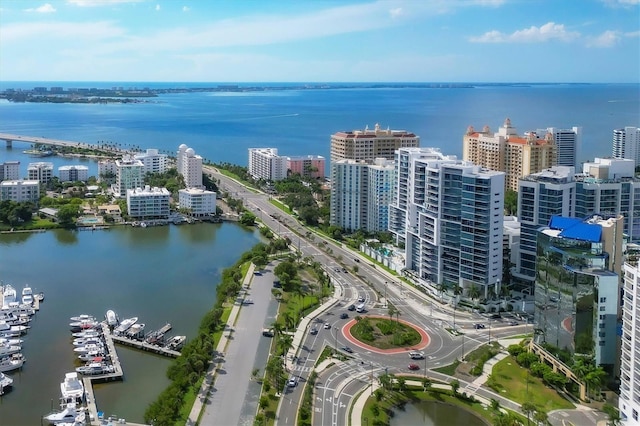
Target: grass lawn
<point>280,205</point>
<point>385,334</point>
<point>449,370</point>
<point>481,351</point>
<point>510,380</point>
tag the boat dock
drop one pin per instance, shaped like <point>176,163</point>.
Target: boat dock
<point>142,345</point>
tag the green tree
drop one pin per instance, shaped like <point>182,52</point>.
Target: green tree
<point>511,203</point>
<point>67,215</point>
<point>455,385</point>
<point>528,408</point>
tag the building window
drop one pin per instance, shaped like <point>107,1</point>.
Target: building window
<point>602,308</point>
<point>601,343</point>
<point>603,299</point>
<point>634,413</point>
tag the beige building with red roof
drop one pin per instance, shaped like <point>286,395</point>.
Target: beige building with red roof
<point>506,151</point>
<point>368,144</point>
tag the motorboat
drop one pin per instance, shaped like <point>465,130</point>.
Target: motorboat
<point>5,382</point>
<point>27,296</point>
<point>12,362</point>
<point>135,330</point>
<point>39,297</point>
<point>176,342</point>
<point>96,368</point>
<point>21,329</point>
<point>6,341</point>
<point>112,318</point>
<point>89,348</point>
<point>125,325</point>
<point>83,325</point>
<point>84,341</point>
<point>9,296</point>
<point>68,415</point>
<point>156,337</point>
<point>83,317</point>
<point>9,349</point>
<point>72,388</point>
<point>92,332</point>
<point>92,355</point>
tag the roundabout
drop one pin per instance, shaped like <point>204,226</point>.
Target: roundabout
<point>421,345</point>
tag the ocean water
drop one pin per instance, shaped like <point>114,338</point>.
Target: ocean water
<point>221,126</point>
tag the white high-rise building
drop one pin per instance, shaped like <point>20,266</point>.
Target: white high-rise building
<point>20,191</point>
<point>568,144</point>
<point>73,173</point>
<point>153,161</point>
<point>199,201</point>
<point>361,193</point>
<point>448,215</point>
<point>128,175</point>
<point>41,171</point>
<point>629,400</point>
<point>265,163</point>
<point>9,170</point>
<point>626,144</point>
<point>189,166</point>
<point>148,203</point>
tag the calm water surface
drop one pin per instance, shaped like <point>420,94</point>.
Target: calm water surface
<point>160,274</point>
<point>429,413</point>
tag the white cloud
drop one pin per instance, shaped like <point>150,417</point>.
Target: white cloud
<point>185,8</point>
<point>94,3</point>
<point>157,7</point>
<point>533,34</point>
<point>45,8</point>
<point>86,32</point>
<point>623,3</point>
<point>606,39</point>
<point>396,13</point>
<point>632,34</point>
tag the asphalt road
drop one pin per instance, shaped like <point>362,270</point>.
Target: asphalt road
<point>234,397</point>
<point>378,289</point>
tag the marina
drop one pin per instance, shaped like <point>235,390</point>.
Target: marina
<point>95,342</point>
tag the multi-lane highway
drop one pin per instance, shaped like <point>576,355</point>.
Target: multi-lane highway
<point>337,386</point>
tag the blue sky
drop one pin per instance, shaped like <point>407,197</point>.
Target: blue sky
<point>321,40</point>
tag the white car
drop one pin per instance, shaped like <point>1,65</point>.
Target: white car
<point>292,382</point>
<point>416,355</point>
<point>327,326</point>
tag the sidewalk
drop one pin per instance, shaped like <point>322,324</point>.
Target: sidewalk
<point>209,377</point>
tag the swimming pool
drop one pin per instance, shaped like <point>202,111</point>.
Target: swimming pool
<point>89,220</point>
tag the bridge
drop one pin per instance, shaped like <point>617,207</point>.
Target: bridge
<point>10,138</point>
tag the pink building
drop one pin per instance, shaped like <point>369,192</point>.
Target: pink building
<point>307,166</point>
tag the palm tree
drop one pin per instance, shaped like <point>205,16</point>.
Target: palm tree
<point>455,385</point>
<point>474,292</point>
<point>528,408</point>
<point>391,311</point>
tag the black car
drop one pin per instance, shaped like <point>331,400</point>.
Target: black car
<point>478,326</point>
<point>344,315</point>
<point>347,349</point>
<point>495,316</point>
<point>351,308</point>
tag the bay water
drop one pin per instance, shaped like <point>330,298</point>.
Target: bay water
<point>159,274</point>
<point>221,126</point>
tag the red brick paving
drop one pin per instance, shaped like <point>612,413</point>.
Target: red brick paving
<point>424,342</point>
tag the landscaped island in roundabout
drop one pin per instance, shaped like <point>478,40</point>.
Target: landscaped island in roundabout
<point>386,335</point>
<point>412,396</point>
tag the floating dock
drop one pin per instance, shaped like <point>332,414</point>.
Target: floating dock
<point>142,345</point>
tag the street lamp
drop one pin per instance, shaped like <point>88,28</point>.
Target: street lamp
<point>385,294</point>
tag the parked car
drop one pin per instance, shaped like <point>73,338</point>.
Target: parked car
<point>347,349</point>
<point>414,367</point>
<point>495,316</point>
<point>327,326</point>
<point>344,315</point>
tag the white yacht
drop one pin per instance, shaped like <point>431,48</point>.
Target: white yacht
<point>9,350</point>
<point>125,324</point>
<point>11,363</point>
<point>82,317</point>
<point>27,296</point>
<point>85,341</point>
<point>92,356</point>
<point>5,382</point>
<point>69,415</point>
<point>20,329</point>
<point>89,348</point>
<point>92,332</point>
<point>72,388</point>
<point>96,368</point>
<point>9,296</point>
<point>112,318</point>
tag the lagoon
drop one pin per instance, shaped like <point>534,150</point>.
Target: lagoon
<point>160,274</point>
